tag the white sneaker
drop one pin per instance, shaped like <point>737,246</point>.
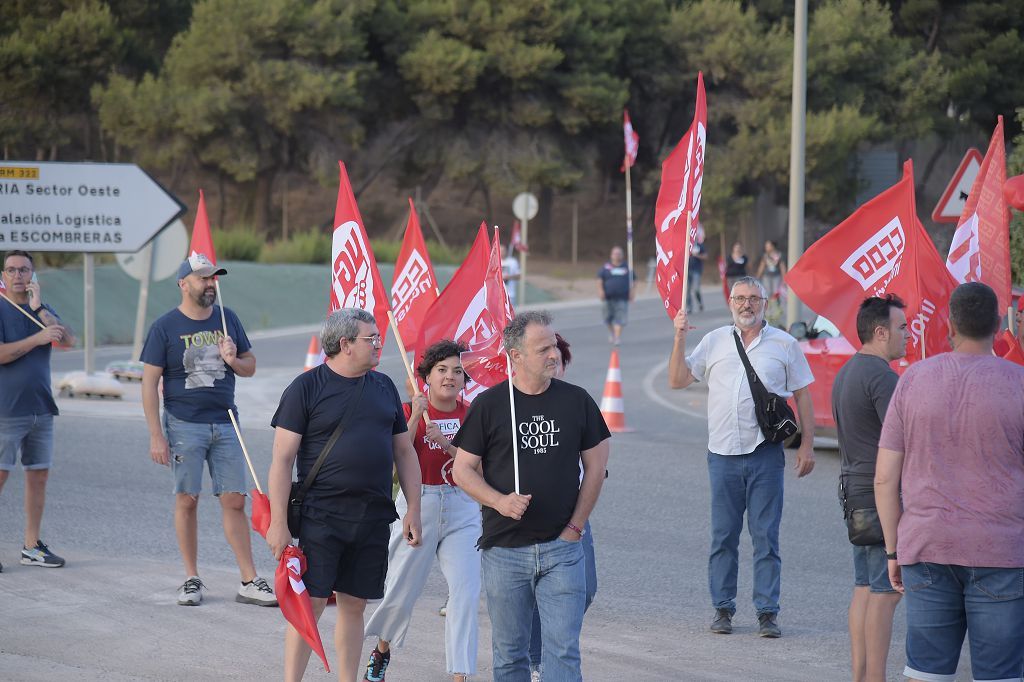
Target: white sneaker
<point>257,592</point>
<point>189,594</point>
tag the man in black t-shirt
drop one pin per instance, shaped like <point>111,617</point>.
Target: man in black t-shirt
<point>534,513</point>
<point>616,290</point>
<point>347,513</point>
<point>860,399</point>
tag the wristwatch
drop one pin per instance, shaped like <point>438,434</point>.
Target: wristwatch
<point>891,556</point>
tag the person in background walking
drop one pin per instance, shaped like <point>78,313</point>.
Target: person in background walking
<point>772,269</point>
<point>735,265</point>
<point>616,291</point>
<point>698,254</point>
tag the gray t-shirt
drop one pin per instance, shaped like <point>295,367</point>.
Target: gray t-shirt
<point>860,398</point>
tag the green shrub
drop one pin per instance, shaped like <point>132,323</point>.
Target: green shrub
<point>386,251</point>
<point>237,244</point>
<point>303,247</point>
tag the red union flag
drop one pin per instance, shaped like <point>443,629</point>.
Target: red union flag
<point>415,287</point>
<point>485,361</point>
<point>980,251</point>
<point>682,176</point>
<point>516,244</point>
<point>881,249</point>
<point>202,238</point>
<point>294,601</point>
<point>460,312</point>
<point>632,141</point>
<point>355,281</point>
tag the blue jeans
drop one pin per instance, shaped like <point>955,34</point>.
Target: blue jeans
<point>945,602</point>
<point>193,444</point>
<point>591,565</point>
<point>751,483</point>
<point>31,437</point>
<point>552,576</point>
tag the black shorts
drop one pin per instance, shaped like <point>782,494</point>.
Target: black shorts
<point>344,556</point>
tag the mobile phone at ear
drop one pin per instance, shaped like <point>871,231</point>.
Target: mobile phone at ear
<point>34,280</point>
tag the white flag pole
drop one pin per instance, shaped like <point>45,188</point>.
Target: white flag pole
<point>245,451</point>
<point>223,320</point>
<point>512,410</point>
<point>22,311</point>
<point>629,224</point>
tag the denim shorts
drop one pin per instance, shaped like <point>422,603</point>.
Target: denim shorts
<point>192,444</point>
<point>945,602</point>
<point>31,437</point>
<point>616,311</point>
<point>871,568</point>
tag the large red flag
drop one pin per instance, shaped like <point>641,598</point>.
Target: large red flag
<point>682,176</point>
<point>414,287</point>
<point>882,248</point>
<point>460,312</point>
<point>293,599</point>
<point>485,361</point>
<point>1008,347</point>
<point>980,251</point>
<point>202,239</point>
<point>516,243</point>
<point>355,281</point>
<point>632,142</point>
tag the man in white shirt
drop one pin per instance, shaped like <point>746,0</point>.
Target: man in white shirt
<point>746,471</point>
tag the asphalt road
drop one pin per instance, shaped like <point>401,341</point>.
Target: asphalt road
<point>110,614</point>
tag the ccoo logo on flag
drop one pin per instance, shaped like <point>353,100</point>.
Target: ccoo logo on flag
<point>352,285</point>
<point>410,283</point>
<point>878,257</point>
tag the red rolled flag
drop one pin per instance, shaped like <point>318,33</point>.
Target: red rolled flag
<point>294,601</point>
<point>260,512</point>
<point>414,288</point>
<point>516,244</point>
<point>355,280</point>
<point>632,139</point>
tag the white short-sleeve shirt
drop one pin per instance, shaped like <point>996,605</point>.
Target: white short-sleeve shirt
<point>778,361</point>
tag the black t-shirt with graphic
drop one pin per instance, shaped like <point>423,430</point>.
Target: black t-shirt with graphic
<point>553,428</point>
<point>354,482</point>
<point>198,385</point>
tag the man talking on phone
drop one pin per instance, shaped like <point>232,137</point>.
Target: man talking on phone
<point>26,401</point>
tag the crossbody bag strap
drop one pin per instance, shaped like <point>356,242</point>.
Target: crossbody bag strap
<point>752,377</point>
<point>308,481</point>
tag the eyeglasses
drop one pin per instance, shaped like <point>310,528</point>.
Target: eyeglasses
<point>12,271</point>
<point>375,340</point>
<point>740,300</point>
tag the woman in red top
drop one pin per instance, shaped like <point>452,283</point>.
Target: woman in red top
<point>451,526</point>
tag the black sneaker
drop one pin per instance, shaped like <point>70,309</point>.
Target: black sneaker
<point>40,555</point>
<point>768,627</point>
<point>722,625</point>
<point>377,665</point>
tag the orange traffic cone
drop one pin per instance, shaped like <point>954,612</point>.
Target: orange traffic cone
<point>312,355</point>
<point>611,401</point>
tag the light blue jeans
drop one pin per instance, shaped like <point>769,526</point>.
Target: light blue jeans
<point>450,528</point>
<point>751,484</point>
<point>591,563</point>
<point>551,575</point>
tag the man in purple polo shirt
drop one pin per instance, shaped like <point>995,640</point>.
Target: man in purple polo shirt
<point>954,438</point>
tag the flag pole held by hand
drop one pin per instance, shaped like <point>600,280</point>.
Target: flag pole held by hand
<point>223,320</point>
<point>22,311</point>
<point>405,359</point>
<point>512,410</point>
<point>245,452</point>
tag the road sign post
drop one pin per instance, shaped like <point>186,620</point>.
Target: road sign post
<point>524,207</point>
<point>86,208</point>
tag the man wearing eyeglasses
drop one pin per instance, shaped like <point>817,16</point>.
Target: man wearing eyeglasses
<point>347,513</point>
<point>188,350</point>
<point>26,401</point>
<point>746,471</point>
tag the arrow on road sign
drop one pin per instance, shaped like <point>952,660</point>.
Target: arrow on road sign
<point>81,207</point>
<point>953,200</point>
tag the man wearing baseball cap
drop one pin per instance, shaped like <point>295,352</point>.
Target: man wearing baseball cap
<point>198,363</point>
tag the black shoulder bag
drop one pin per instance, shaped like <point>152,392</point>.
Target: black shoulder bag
<point>774,415</point>
<point>301,488</point>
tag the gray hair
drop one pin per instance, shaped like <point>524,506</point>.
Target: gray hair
<point>515,332</point>
<point>341,324</point>
<point>750,282</point>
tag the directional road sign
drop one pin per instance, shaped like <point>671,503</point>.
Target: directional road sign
<point>81,207</point>
<point>953,200</point>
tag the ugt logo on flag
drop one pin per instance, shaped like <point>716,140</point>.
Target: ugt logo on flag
<point>352,283</point>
